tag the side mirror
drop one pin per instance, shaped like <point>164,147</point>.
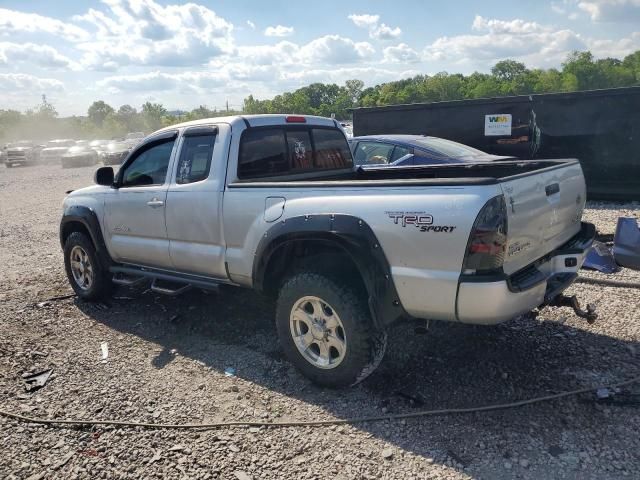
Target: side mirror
<point>104,176</point>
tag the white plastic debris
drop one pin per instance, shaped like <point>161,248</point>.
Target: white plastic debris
<point>104,346</point>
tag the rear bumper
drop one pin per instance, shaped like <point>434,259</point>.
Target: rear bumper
<point>488,301</point>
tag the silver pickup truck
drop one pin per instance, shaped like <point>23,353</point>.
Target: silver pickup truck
<point>273,202</point>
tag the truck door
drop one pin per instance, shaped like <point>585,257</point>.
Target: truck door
<point>194,202</point>
<point>135,211</point>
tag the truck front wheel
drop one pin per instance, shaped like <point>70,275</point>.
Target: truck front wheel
<point>86,275</point>
<point>326,331</point>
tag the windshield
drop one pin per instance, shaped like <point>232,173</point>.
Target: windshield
<point>447,148</point>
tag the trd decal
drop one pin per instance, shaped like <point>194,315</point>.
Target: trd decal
<point>420,220</point>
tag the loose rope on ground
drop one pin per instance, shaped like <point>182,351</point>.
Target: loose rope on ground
<point>607,283</point>
<point>314,423</point>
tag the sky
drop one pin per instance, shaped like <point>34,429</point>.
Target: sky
<point>210,52</point>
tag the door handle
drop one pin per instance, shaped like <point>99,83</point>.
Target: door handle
<point>155,202</point>
<point>552,189</point>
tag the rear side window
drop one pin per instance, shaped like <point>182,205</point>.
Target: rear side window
<point>276,151</point>
<point>332,149</point>
<point>263,152</point>
<point>195,158</point>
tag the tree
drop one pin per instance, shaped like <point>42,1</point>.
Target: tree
<point>128,117</point>
<point>354,90</point>
<point>508,70</point>
<point>98,111</point>
<point>45,110</point>
<point>152,114</point>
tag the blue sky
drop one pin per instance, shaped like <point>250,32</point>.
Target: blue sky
<point>210,52</point>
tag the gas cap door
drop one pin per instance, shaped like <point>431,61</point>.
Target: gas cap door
<point>273,208</point>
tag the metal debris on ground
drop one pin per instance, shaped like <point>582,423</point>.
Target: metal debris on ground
<point>600,258</point>
<point>626,243</point>
<point>36,380</point>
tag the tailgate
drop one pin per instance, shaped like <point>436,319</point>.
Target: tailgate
<point>544,209</point>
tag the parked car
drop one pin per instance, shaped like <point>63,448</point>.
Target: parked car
<point>3,153</point>
<point>79,156</point>
<point>278,207</point>
<point>114,153</point>
<point>348,129</point>
<point>54,149</point>
<point>23,152</point>
<point>397,150</point>
<point>99,145</point>
<point>133,138</point>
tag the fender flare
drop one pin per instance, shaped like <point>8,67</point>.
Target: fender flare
<point>356,238</point>
<point>89,219</point>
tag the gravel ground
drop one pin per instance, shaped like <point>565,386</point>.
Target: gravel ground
<point>168,356</point>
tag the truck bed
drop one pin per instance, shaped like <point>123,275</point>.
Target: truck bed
<point>445,175</point>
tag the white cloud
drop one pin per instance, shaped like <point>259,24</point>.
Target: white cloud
<point>143,32</point>
<point>13,21</point>
<point>160,81</point>
<point>401,53</point>
<point>41,55</point>
<point>516,26</point>
<point>251,24</point>
<point>330,49</point>
<point>14,83</point>
<point>372,75</point>
<point>365,20</point>
<point>278,31</point>
<point>384,32</point>
<point>282,53</point>
<point>378,31</point>
<point>334,49</point>
<point>533,43</point>
<point>611,10</point>
<point>615,48</point>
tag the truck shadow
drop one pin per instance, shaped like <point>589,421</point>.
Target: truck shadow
<point>452,366</point>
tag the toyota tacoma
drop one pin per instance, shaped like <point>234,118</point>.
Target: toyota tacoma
<point>274,203</point>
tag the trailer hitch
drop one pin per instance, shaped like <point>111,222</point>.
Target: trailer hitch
<point>589,315</point>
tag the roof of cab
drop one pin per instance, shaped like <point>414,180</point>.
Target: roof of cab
<point>253,121</point>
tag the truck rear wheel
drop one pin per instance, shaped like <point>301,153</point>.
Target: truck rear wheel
<point>85,272</point>
<point>326,331</point>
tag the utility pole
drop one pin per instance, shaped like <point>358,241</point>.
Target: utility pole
<point>227,106</point>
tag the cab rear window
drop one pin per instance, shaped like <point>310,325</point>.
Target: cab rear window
<point>273,151</point>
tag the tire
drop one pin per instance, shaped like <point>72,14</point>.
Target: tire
<point>78,245</point>
<point>362,345</point>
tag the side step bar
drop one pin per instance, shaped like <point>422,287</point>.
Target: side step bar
<point>167,290</point>
<point>128,281</point>
<point>129,276</point>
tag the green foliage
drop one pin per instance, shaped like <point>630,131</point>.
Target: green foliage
<point>508,77</point>
<point>98,112</point>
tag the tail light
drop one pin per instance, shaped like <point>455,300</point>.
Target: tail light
<point>295,119</point>
<point>488,239</point>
